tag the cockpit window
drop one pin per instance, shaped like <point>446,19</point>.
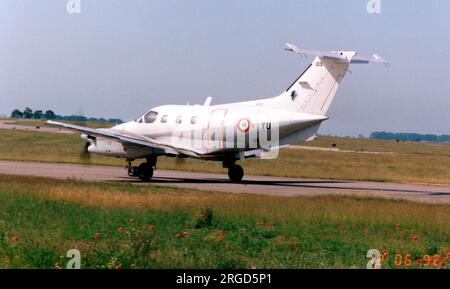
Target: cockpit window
<point>150,116</point>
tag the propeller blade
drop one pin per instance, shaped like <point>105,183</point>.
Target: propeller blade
<point>85,155</point>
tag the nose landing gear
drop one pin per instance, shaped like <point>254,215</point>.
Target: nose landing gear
<point>144,171</point>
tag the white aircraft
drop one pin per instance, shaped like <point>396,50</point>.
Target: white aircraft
<point>228,132</point>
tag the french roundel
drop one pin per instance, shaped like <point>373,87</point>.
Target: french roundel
<point>244,125</point>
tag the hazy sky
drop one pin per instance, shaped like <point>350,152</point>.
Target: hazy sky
<point>119,58</point>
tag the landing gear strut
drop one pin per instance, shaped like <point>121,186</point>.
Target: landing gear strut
<point>235,172</point>
<point>132,171</point>
<point>144,171</point>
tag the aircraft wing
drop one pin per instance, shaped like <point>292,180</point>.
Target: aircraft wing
<point>124,137</point>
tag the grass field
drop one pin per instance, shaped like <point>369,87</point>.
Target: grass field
<point>41,123</point>
<point>406,162</point>
<point>43,218</point>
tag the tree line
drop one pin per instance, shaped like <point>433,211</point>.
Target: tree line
<point>409,136</point>
<point>28,113</point>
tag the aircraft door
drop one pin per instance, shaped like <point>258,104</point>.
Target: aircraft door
<point>215,130</point>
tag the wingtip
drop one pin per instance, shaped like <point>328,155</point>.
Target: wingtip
<point>51,123</point>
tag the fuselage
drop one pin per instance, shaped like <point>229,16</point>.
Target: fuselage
<point>213,131</point>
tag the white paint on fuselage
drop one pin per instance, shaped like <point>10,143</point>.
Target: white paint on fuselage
<point>218,118</point>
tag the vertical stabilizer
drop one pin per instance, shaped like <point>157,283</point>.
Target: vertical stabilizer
<point>314,90</point>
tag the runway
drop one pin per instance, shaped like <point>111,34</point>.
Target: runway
<point>9,124</point>
<point>288,187</point>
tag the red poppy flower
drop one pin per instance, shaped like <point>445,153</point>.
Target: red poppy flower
<point>57,265</point>
<point>442,264</point>
<point>185,234</point>
<point>121,229</point>
<point>195,216</point>
<point>97,236</point>
<point>201,215</point>
<point>418,262</point>
<point>151,228</point>
<point>398,226</point>
<point>414,238</point>
<point>178,236</point>
<point>118,267</point>
<point>15,238</point>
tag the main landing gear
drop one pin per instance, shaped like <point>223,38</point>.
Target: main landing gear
<point>235,172</point>
<point>144,171</point>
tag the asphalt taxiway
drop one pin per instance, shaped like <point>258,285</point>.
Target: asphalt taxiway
<point>219,182</point>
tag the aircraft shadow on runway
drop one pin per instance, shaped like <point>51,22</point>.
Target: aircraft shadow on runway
<point>315,184</point>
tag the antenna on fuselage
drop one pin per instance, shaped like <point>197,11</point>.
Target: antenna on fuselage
<point>207,101</point>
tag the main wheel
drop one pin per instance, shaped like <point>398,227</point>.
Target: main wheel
<point>235,173</point>
<point>145,172</point>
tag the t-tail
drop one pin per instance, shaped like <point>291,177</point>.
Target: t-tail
<point>313,91</point>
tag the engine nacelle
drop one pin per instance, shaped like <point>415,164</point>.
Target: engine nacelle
<point>108,147</point>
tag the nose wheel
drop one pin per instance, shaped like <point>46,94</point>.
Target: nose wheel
<point>144,171</point>
<point>132,171</point>
<point>235,173</point>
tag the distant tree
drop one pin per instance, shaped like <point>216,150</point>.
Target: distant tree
<point>49,114</point>
<point>115,120</point>
<point>38,114</point>
<point>28,113</point>
<point>409,137</point>
<point>16,114</point>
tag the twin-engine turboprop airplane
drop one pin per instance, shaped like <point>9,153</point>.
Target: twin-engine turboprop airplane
<point>228,132</point>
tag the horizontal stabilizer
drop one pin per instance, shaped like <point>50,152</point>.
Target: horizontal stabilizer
<point>340,56</point>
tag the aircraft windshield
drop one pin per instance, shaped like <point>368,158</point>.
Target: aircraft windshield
<point>150,116</point>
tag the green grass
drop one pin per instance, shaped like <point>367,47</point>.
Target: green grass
<point>52,216</point>
<point>411,163</point>
<point>373,145</point>
<point>41,123</point>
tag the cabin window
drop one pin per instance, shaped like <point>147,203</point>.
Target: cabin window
<point>150,117</point>
<point>179,119</point>
<point>164,118</point>
<point>194,120</point>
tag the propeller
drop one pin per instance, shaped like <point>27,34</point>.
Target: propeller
<point>85,155</point>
